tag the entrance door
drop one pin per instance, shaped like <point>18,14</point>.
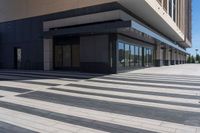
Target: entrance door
<point>67,57</point>
<point>17,58</point>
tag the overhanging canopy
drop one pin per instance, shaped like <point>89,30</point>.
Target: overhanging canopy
<point>110,27</point>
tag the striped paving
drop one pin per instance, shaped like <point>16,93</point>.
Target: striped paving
<point>8,128</point>
<point>83,103</point>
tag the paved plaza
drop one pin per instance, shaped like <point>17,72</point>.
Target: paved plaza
<point>164,100</point>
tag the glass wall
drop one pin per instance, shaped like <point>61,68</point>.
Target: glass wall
<point>134,56</point>
<point>121,55</point>
<point>127,55</point>
<point>140,56</point>
<point>148,57</point>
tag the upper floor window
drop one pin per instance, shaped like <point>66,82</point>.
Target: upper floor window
<point>172,9</point>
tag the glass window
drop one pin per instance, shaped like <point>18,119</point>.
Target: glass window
<point>136,56</point>
<point>121,55</point>
<point>174,10</point>
<point>170,7</point>
<point>145,57</point>
<point>132,48</point>
<point>127,55</point>
<point>150,57</point>
<point>140,56</point>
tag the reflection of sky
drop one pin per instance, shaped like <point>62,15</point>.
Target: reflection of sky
<point>195,27</point>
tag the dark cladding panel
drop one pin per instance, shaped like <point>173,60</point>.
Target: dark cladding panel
<point>94,49</point>
<point>6,58</point>
<point>94,53</point>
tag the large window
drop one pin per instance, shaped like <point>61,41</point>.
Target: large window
<point>127,55</point>
<point>132,48</point>
<point>172,9</point>
<point>145,57</point>
<point>121,55</point>
<point>140,57</point>
<point>136,56</point>
<point>131,55</point>
<point>150,57</point>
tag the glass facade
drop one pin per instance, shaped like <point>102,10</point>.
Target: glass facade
<point>127,55</point>
<point>134,56</point>
<point>121,55</point>
<point>148,57</point>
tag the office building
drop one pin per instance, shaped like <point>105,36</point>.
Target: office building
<point>100,36</point>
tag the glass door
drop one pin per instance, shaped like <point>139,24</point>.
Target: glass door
<point>66,56</point>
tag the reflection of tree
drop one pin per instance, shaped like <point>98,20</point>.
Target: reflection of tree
<point>121,56</point>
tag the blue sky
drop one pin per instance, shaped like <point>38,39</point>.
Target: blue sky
<point>195,27</point>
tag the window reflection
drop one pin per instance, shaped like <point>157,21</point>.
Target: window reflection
<point>121,56</point>
<point>132,48</point>
<point>140,56</point>
<point>127,55</point>
<point>131,55</point>
<point>136,56</point>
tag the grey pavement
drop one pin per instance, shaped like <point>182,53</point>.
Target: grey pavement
<point>163,100</point>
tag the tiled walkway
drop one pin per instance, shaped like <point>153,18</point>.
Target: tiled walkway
<point>142,101</point>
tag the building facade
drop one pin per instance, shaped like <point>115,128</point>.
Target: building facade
<point>101,36</point>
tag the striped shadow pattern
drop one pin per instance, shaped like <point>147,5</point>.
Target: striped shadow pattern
<point>107,104</point>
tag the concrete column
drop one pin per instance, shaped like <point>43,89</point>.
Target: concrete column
<point>158,55</point>
<point>177,57</point>
<point>48,54</point>
<point>166,58</point>
<point>181,58</point>
<point>185,58</point>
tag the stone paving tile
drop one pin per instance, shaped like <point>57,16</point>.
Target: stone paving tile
<point>98,125</point>
<point>168,86</point>
<point>141,101</point>
<point>130,97</point>
<point>198,130</point>
<point>14,89</point>
<point>38,83</point>
<point>126,109</point>
<point>179,127</point>
<point>141,92</point>
<point>8,128</point>
<point>153,81</point>
<point>128,88</point>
